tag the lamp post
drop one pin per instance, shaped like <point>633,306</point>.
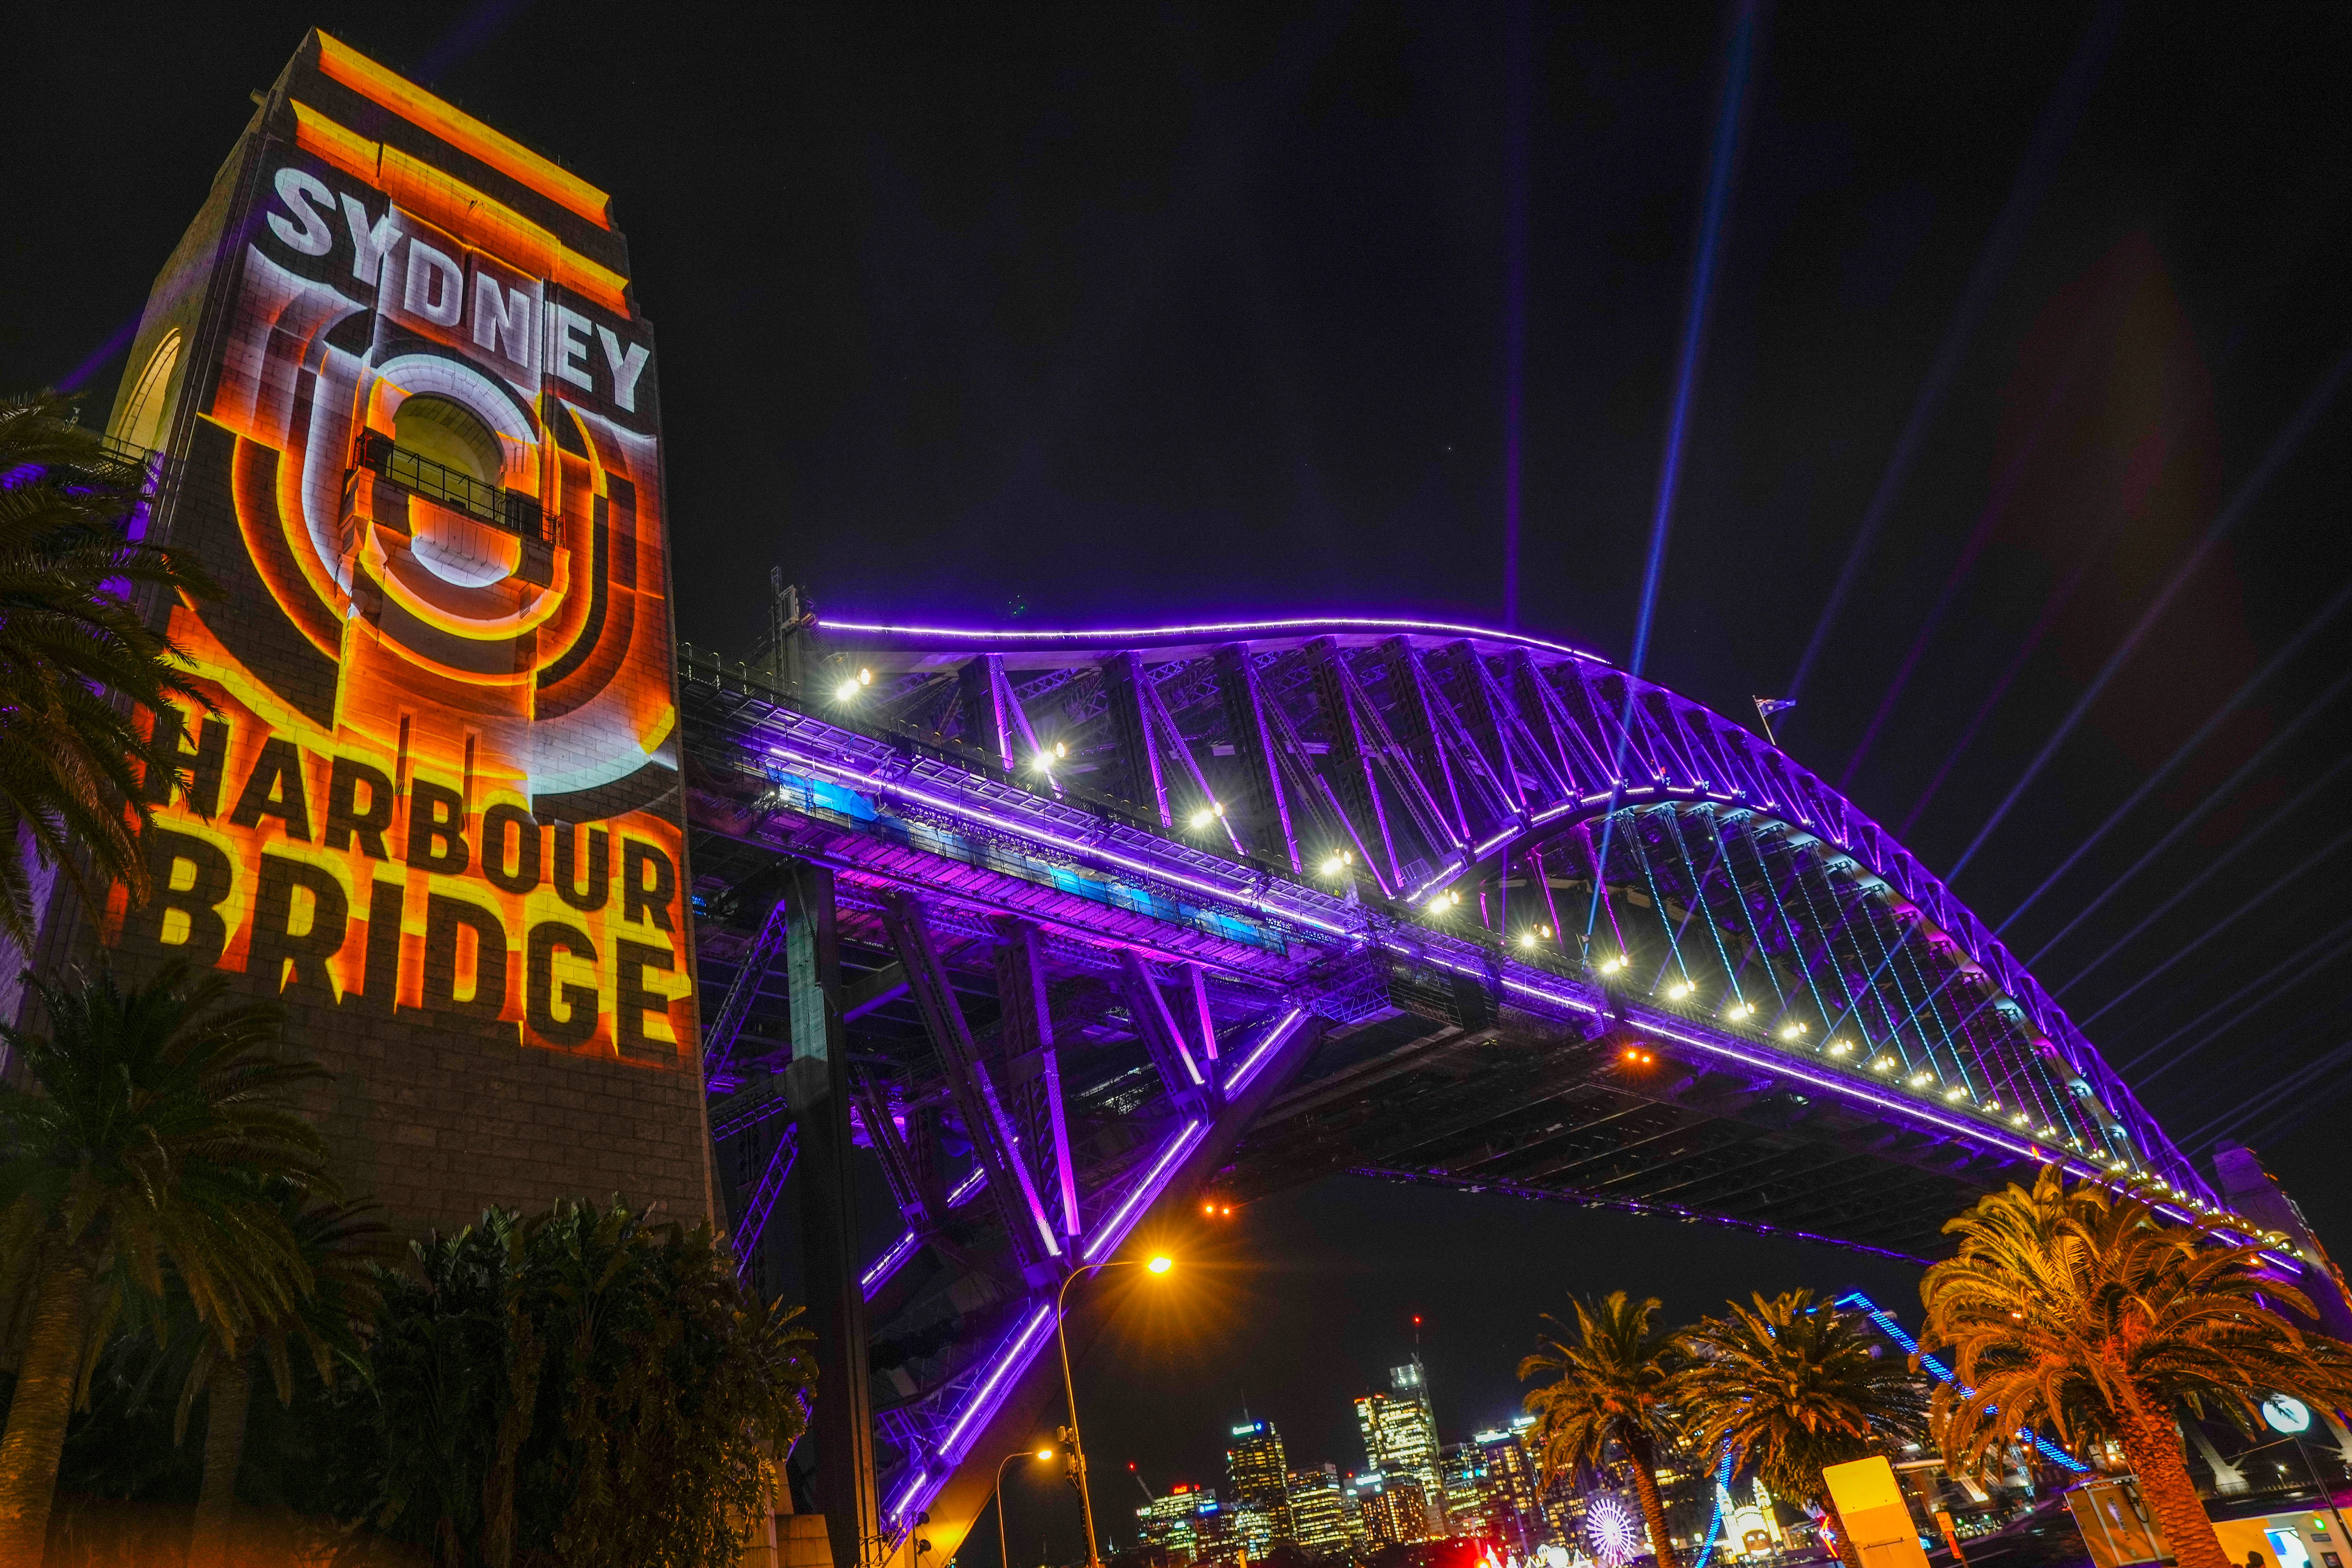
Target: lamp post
<point>1157,1265</point>
<point>996,1496</point>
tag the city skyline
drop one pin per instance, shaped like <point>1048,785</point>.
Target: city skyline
<point>1305,1300</point>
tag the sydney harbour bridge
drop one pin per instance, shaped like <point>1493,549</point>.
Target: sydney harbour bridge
<point>1068,928</point>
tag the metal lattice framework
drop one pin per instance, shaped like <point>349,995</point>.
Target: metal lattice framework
<point>1126,913</point>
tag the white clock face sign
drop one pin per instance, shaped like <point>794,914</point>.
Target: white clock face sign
<point>2284,1413</point>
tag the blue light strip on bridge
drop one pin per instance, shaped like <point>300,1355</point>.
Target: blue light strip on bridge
<point>1894,1330</point>
<point>1722,1491</point>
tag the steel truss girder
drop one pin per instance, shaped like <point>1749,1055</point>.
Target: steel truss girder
<point>1354,723</point>
<point>719,1036</point>
<point>1009,1185</point>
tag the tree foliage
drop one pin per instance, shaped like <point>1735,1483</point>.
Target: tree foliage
<point>1612,1382</point>
<point>163,1115</point>
<point>579,1387</point>
<point>1790,1386</point>
<point>79,655</point>
<point>2066,1307</point>
<point>2092,1317</point>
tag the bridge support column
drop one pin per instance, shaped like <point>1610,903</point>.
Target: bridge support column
<point>818,1084</point>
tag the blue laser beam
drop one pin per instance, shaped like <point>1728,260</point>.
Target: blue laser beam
<point>1519,86</point>
<point>2295,1083</point>
<point>2294,874</point>
<point>1696,311</point>
<point>2299,960</point>
<point>2245,841</point>
<point>2052,608</point>
<point>2050,136</point>
<point>2256,483</point>
<point>1995,507</point>
<point>2187,749</point>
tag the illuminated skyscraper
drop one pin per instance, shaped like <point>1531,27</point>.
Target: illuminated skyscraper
<point>1319,1515</point>
<point>1401,1439</point>
<point>1515,1502</point>
<point>1249,1533</point>
<point>1173,1524</point>
<point>1395,1508</point>
<point>1259,1473</point>
<point>1470,1507</point>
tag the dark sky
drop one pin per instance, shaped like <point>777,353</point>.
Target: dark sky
<point>1151,310</point>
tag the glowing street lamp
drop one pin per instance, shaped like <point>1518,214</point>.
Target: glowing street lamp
<point>1159,1263</point>
<point>996,1495</point>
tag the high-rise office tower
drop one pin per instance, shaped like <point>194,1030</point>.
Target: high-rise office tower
<point>1470,1503</point>
<point>1319,1515</point>
<point>1173,1524</point>
<point>1395,1508</point>
<point>1249,1534</point>
<point>1259,1474</point>
<point>1516,1502</point>
<point>1401,1438</point>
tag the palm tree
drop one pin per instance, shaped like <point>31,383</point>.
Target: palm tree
<point>2091,1315</point>
<point>1789,1387</point>
<point>341,1244</point>
<point>77,651</point>
<point>1613,1386</point>
<point>162,1110</point>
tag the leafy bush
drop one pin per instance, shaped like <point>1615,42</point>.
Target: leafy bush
<point>578,1387</point>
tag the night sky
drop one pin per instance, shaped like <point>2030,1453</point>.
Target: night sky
<point>2012,397</point>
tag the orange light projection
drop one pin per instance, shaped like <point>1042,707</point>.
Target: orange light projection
<point>462,131</point>
<point>441,784</point>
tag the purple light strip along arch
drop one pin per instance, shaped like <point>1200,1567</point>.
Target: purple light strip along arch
<point>1725,752</point>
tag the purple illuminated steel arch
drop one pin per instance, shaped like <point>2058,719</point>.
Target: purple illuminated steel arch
<point>1346,846</point>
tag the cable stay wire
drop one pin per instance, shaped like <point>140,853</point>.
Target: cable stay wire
<point>2222,925</point>
<point>2280,449</point>
<point>2052,135</point>
<point>2186,749</point>
<point>2220,862</point>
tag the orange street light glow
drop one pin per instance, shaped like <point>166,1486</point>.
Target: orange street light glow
<point>1161,1264</point>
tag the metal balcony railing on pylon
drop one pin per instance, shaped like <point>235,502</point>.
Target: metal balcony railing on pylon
<point>445,486</point>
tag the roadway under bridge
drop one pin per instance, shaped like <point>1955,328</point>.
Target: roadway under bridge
<point>1060,930</point>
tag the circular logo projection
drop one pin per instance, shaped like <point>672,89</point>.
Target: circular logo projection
<point>1613,1529</point>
